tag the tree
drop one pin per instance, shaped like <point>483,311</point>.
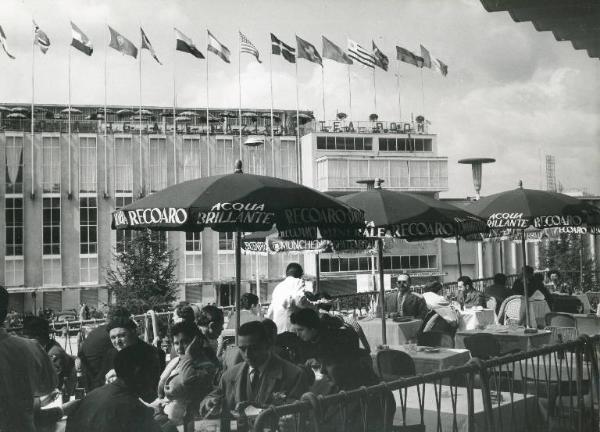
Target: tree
<point>568,255</point>
<point>143,277</point>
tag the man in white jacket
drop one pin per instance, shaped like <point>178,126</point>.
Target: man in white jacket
<point>288,296</point>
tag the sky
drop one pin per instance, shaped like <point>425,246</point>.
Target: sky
<point>511,93</point>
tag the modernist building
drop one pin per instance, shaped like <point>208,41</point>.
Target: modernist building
<point>59,189</point>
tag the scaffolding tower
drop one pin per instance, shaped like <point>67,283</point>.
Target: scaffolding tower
<point>550,173</point>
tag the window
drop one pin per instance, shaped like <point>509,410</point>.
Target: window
<point>88,223</point>
<point>399,174</point>
<point>419,173</point>
<point>341,264</point>
<point>406,144</point>
<point>394,262</point>
<point>225,241</point>
<point>123,236</point>
<point>193,255</point>
<point>51,226</point>
<point>87,165</point>
<point>88,270</point>
<point>344,143</point>
<point>285,165</point>
<point>14,271</point>
<point>191,159</point>
<point>123,165</point>
<point>158,164</point>
<point>14,165</point>
<point>224,156</point>
<point>50,165</point>
<point>51,271</point>
<point>14,226</point>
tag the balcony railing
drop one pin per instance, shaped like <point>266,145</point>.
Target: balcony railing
<point>370,127</point>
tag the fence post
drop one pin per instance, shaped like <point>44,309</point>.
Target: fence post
<point>484,377</point>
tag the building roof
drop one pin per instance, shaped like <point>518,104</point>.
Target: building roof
<point>577,21</point>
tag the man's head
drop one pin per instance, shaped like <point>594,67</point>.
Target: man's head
<point>294,270</point>
<point>253,343</point>
<point>36,328</point>
<point>184,312</point>
<point>122,331</point>
<point>500,279</point>
<point>182,335</point>
<point>248,301</point>
<point>325,302</point>
<point>271,329</point>
<point>131,366</point>
<point>554,275</point>
<point>434,287</point>
<point>465,282</point>
<point>306,324</point>
<point>528,272</point>
<point>3,304</point>
<point>211,321</point>
<point>403,282</point>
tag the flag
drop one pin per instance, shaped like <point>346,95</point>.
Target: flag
<point>41,39</point>
<point>307,51</point>
<point>147,45</point>
<point>81,41</point>
<point>333,52</point>
<point>185,44</point>
<point>407,56</point>
<point>381,60</point>
<point>426,57</point>
<point>3,43</point>
<point>121,44</point>
<point>216,47</point>
<point>248,47</point>
<point>280,48</point>
<point>440,66</point>
<point>360,54</point>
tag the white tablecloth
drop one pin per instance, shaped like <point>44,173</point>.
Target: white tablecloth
<point>471,319</point>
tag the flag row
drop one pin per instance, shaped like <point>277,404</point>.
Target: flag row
<point>355,53</point>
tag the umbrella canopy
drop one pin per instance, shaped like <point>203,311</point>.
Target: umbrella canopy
<point>71,110</point>
<point>189,114</point>
<point>124,112</point>
<point>19,110</point>
<point>268,115</point>
<point>227,114</point>
<point>144,112</point>
<point>240,203</point>
<point>3,108</point>
<point>16,115</point>
<point>101,111</point>
<point>140,117</point>
<point>182,119</point>
<point>249,114</point>
<point>520,208</point>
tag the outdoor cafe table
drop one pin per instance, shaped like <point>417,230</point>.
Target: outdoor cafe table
<point>397,333</point>
<point>471,319</point>
<point>588,324</point>
<point>426,362</point>
<point>509,339</point>
<point>512,415</point>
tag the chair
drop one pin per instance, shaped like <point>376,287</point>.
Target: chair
<point>394,364</point>
<point>433,322</point>
<point>563,326</point>
<point>567,304</point>
<point>485,346</point>
<point>436,339</point>
<point>511,311</point>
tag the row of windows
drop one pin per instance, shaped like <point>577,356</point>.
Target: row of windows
<point>405,144</point>
<point>14,226</point>
<point>395,262</point>
<point>344,143</point>
<point>51,226</point>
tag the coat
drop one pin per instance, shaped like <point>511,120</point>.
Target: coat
<point>414,305</point>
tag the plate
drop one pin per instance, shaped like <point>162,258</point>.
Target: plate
<point>402,319</point>
<point>431,350</point>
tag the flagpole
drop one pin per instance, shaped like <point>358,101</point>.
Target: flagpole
<point>374,91</point>
<point>32,113</point>
<point>69,194</point>
<point>297,125</point>
<point>240,90</point>
<point>207,112</point>
<point>349,91</point>
<point>323,90</point>
<point>422,93</point>
<point>106,194</point>
<point>399,99</point>
<point>174,96</point>
<point>272,131</point>
<point>140,122</point>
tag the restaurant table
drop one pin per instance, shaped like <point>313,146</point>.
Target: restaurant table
<point>588,324</point>
<point>397,333</point>
<point>508,338</point>
<point>472,318</point>
<point>426,362</point>
<point>508,417</point>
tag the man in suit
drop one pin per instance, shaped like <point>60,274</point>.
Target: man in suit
<point>257,378</point>
<point>404,302</point>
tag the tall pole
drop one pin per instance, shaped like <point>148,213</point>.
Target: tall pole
<point>140,124</point>
<point>398,85</point>
<point>525,292</point>
<point>106,194</point>
<point>297,125</point>
<point>323,90</point>
<point>349,92</point>
<point>381,290</point>
<point>458,256</point>
<point>174,105</point>
<point>32,113</point>
<point>374,91</point>
<point>422,93</point>
<point>208,115</point>
<point>272,131</point>
<point>317,271</point>
<point>238,281</point>
<point>240,90</point>
<point>69,192</point>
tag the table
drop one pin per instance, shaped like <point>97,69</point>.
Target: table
<point>509,338</point>
<point>397,333</point>
<point>512,415</point>
<point>471,319</point>
<point>433,362</point>
<point>588,324</point>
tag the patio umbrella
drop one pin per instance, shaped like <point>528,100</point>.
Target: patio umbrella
<point>16,115</point>
<point>181,119</point>
<point>520,208</point>
<point>189,114</point>
<point>242,203</point>
<point>3,108</point>
<point>227,114</point>
<point>19,110</point>
<point>124,112</point>
<point>268,115</point>
<point>411,217</point>
<point>144,112</point>
<point>71,110</point>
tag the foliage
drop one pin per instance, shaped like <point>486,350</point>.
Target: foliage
<point>568,254</point>
<point>373,117</point>
<point>143,277</point>
<point>341,116</point>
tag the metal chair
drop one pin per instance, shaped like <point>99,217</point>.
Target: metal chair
<point>394,364</point>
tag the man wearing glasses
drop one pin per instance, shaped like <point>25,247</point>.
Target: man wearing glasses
<point>404,302</point>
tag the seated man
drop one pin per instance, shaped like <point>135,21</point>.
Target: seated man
<point>468,296</point>
<point>498,291</point>
<point>249,310</point>
<point>116,406</point>
<point>258,378</point>
<point>404,302</point>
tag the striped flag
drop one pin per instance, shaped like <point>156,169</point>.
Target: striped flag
<point>41,39</point>
<point>147,45</point>
<point>216,47</point>
<point>248,47</point>
<point>407,56</point>
<point>3,43</point>
<point>381,60</point>
<point>278,47</point>
<point>360,54</point>
<point>185,44</point>
<point>426,57</point>
<point>81,41</point>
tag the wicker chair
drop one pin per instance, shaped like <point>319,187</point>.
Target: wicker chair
<point>511,311</point>
<point>563,327</point>
<point>394,364</point>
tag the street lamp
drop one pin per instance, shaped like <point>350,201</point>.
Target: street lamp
<point>476,165</point>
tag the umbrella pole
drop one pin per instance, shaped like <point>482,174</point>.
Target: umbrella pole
<point>381,290</point>
<point>525,280</point>
<point>458,256</point>
<point>238,281</point>
<point>317,272</point>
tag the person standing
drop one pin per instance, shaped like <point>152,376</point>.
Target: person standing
<point>26,373</point>
<point>288,296</point>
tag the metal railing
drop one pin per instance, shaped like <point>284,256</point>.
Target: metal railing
<point>554,388</point>
<point>377,126</point>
